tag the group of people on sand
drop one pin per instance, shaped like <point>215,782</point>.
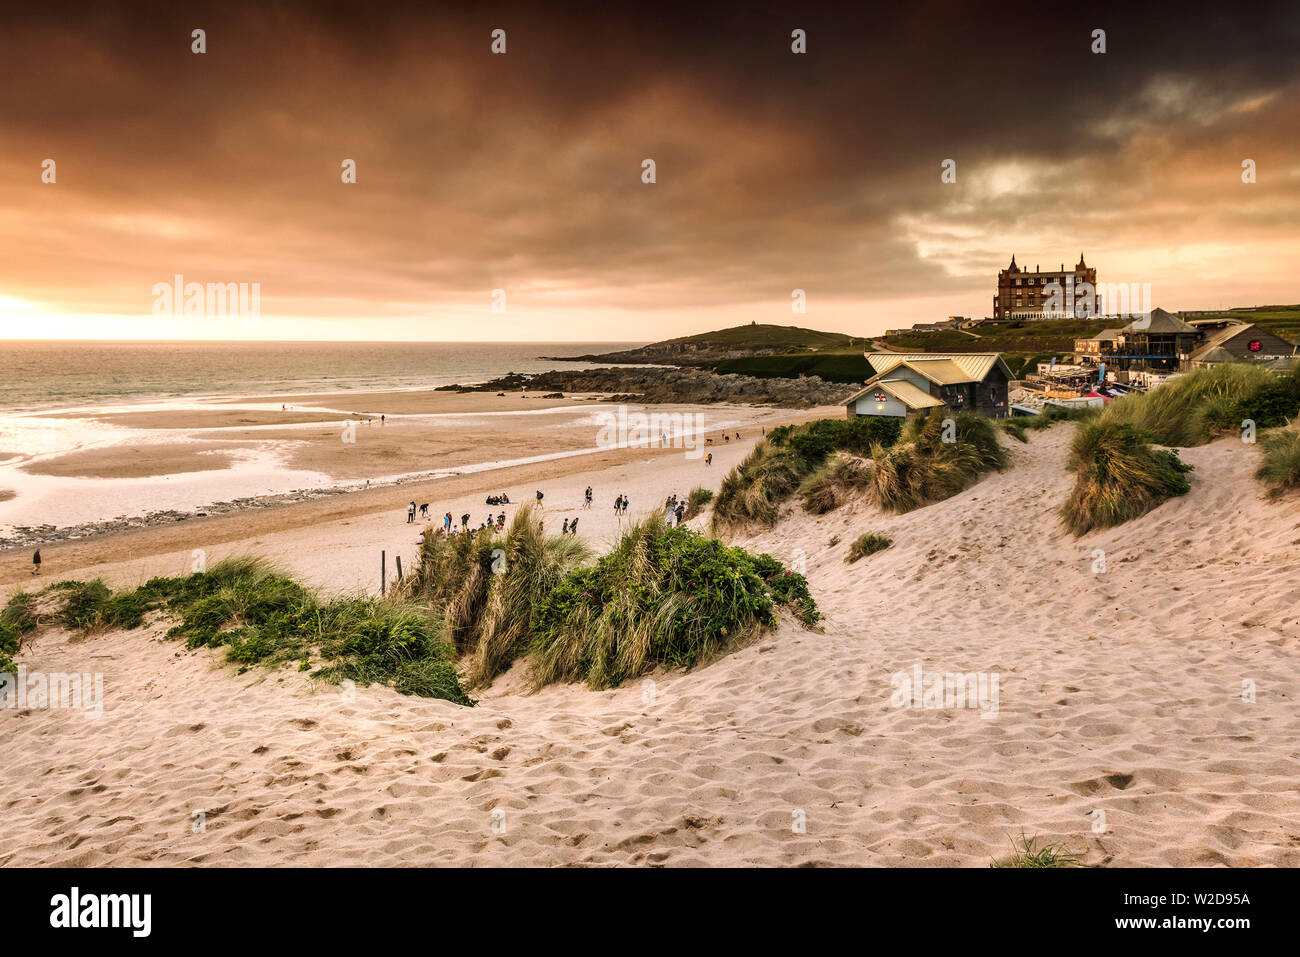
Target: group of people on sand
<point>620,504</point>
<point>502,499</point>
<point>676,508</point>
<point>570,526</point>
<point>449,524</point>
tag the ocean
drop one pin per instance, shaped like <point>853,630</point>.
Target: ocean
<point>38,374</point>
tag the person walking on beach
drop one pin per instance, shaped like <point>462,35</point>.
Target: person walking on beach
<point>36,562</point>
<point>539,498</point>
<point>410,513</point>
<point>382,418</point>
<point>464,521</point>
<point>424,511</point>
<point>681,514</point>
<point>586,498</point>
<point>708,459</point>
<point>565,529</point>
<point>573,527</point>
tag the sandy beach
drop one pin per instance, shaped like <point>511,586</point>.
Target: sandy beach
<point>89,471</point>
<point>1121,699</point>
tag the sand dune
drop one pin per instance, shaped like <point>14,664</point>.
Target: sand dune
<point>1119,691</point>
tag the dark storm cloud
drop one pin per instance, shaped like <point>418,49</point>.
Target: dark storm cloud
<point>522,171</point>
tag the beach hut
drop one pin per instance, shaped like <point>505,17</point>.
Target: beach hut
<point>906,384</point>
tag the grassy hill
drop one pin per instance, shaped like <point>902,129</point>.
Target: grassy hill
<point>770,338</point>
<point>737,342</point>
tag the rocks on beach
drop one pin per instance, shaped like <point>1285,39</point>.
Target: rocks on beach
<point>662,384</point>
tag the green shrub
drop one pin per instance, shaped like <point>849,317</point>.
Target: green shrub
<point>83,605</point>
<point>852,367</point>
<point>1281,468</point>
<point>866,545</point>
<point>260,617</point>
<point>662,596</point>
<point>1119,476</point>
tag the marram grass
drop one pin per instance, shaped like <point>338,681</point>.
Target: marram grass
<point>1118,476</point>
<point>662,597</point>
<point>485,585</point>
<point>260,617</point>
<point>1029,853</point>
<point>1280,471</point>
<point>1193,409</point>
<point>775,469</point>
<point>867,544</point>
<point>924,468</point>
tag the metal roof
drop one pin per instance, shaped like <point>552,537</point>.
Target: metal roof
<point>909,394</point>
<point>939,367</point>
<point>900,389</point>
<point>1159,321</point>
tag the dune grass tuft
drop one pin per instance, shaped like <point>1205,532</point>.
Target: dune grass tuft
<point>17,621</point>
<point>1027,853</point>
<point>662,596</point>
<point>867,544</point>
<point>924,468</point>
<point>753,492</point>
<point>486,585</point>
<point>1281,469</point>
<point>1119,476</point>
<point>833,483</point>
<point>696,500</point>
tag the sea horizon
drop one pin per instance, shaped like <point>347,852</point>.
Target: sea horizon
<point>48,374</point>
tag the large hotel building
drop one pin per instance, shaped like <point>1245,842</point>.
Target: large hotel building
<point>1025,295</point>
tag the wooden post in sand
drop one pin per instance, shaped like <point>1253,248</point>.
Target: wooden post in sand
<point>399,568</point>
<point>383,572</point>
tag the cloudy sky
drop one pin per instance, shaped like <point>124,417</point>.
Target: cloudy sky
<point>774,170</point>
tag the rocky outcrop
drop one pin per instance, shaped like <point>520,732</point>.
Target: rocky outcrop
<point>687,385</point>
